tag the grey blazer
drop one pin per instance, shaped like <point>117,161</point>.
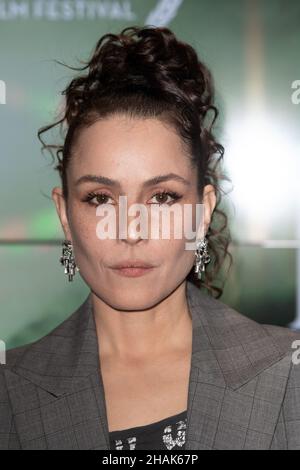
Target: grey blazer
<point>244,389</point>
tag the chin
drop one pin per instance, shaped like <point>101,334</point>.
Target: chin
<point>134,299</point>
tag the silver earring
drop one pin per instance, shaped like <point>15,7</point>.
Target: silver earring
<point>67,259</point>
<point>201,257</point>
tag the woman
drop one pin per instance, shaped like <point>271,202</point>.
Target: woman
<point>149,360</point>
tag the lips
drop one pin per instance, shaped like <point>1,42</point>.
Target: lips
<point>133,268</point>
<point>132,264</point>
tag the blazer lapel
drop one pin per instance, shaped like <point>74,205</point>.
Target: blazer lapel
<point>56,389</point>
<point>238,377</point>
<point>58,398</point>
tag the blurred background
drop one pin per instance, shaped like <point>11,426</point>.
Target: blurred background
<point>252,48</point>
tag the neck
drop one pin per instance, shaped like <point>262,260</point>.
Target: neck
<point>144,334</point>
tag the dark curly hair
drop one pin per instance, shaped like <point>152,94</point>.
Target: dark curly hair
<point>147,72</point>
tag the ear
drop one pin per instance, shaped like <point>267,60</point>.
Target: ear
<point>61,209</point>
<point>209,201</point>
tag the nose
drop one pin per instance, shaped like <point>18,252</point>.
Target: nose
<point>133,233</point>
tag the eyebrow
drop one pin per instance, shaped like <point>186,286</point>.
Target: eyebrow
<point>114,183</point>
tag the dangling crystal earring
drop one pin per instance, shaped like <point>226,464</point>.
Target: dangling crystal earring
<point>201,257</point>
<point>67,259</point>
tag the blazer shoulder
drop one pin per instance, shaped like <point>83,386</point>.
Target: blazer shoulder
<point>285,338</point>
<point>223,315</point>
<point>63,341</point>
<point>8,434</point>
<point>13,355</point>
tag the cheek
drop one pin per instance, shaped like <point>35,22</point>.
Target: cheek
<point>83,231</point>
<point>174,253</point>
<point>184,260</point>
<point>82,222</point>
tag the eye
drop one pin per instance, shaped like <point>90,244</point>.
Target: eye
<point>165,194</point>
<point>100,197</point>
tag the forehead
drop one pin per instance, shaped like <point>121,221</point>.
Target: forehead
<point>128,146</point>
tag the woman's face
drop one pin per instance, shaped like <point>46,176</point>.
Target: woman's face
<point>130,152</point>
